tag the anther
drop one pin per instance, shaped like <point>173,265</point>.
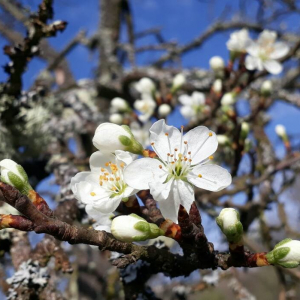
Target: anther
<point>200,176</point>
<point>93,194</point>
<point>166,134</point>
<point>211,157</point>
<point>176,149</point>
<point>160,166</point>
<point>152,144</point>
<point>210,134</point>
<point>185,142</point>
<point>189,152</point>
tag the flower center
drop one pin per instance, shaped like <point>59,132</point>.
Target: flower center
<point>179,161</point>
<point>112,180</point>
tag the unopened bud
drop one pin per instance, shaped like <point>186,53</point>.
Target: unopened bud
<point>145,86</point>
<point>217,63</point>
<point>217,86</point>
<point>119,104</point>
<point>280,131</point>
<point>222,139</point>
<point>133,228</point>
<point>116,119</point>
<point>245,128</point>
<point>178,81</point>
<point>285,254</point>
<point>14,175</point>
<point>228,99</point>
<point>266,88</point>
<point>164,110</point>
<point>229,222</point>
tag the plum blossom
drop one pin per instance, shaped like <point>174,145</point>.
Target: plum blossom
<point>239,41</point>
<point>192,105</point>
<point>145,86</point>
<point>181,164</point>
<point>103,188</point>
<point>264,53</point>
<point>146,107</point>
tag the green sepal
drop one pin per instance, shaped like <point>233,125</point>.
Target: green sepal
<point>290,264</point>
<point>21,185</point>
<point>282,242</point>
<point>140,238</point>
<point>137,217</point>
<point>125,141</point>
<point>127,129</point>
<point>155,231</point>
<point>281,253</point>
<point>22,172</point>
<point>125,199</point>
<point>143,227</point>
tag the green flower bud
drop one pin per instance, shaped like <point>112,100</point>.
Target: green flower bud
<point>133,228</point>
<point>285,254</point>
<point>229,222</point>
<point>14,175</point>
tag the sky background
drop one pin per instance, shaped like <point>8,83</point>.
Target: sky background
<point>181,21</point>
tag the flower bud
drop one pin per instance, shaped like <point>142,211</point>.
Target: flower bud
<point>222,139</point>
<point>285,254</point>
<point>164,110</point>
<point>119,104</point>
<point>228,99</point>
<point>217,86</point>
<point>116,118</point>
<point>217,63</point>
<point>111,137</point>
<point>133,228</point>
<point>145,86</point>
<point>280,131</point>
<point>266,88</point>
<point>245,128</point>
<point>14,175</point>
<point>229,222</point>
<point>178,81</point>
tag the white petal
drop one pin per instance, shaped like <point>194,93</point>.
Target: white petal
<point>198,98</point>
<point>273,66</point>
<point>108,205</point>
<point>161,142</point>
<point>83,176</point>
<point>106,137</point>
<point>160,191</point>
<point>169,208</point>
<point>10,165</point>
<point>186,194</point>
<point>142,171</point>
<point>187,112</point>
<point>253,49</point>
<point>185,100</point>
<point>280,50</point>
<point>129,191</point>
<point>125,156</point>
<point>99,159</point>
<point>251,63</point>
<point>214,178</point>
<point>89,193</point>
<point>200,143</point>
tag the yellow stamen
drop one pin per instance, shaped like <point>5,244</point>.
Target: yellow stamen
<point>93,194</point>
<point>200,176</point>
<point>210,134</point>
<point>211,157</point>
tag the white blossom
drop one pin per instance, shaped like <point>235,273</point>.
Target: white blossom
<point>181,164</point>
<point>217,86</point>
<point>133,228</point>
<point>217,63</point>
<point>280,130</point>
<point>145,86</point>
<point>228,99</point>
<point>103,188</point>
<point>178,81</point>
<point>146,107</point>
<point>239,41</point>
<point>164,110</point>
<point>111,137</point>
<point>119,104</point>
<point>192,105</point>
<point>286,254</point>
<point>116,119</point>
<point>264,53</point>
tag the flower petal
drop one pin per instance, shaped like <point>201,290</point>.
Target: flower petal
<point>186,194</point>
<point>83,176</point>
<point>251,62</point>
<point>185,100</point>
<point>107,205</point>
<point>187,112</point>
<point>273,66</point>
<point>142,171</point>
<point>280,50</point>
<point>200,143</point>
<point>169,208</point>
<point>99,159</point>
<point>161,142</point>
<point>160,191</point>
<point>253,48</point>
<point>198,98</point>
<point>125,156</point>
<point>89,193</point>
<point>213,178</point>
